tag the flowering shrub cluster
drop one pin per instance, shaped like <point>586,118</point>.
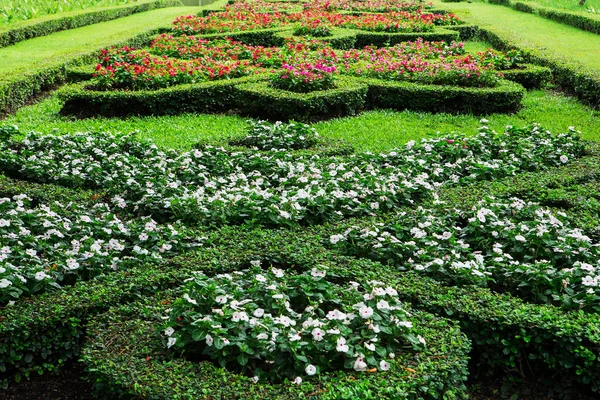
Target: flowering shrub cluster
<point>280,136</point>
<point>332,5</point>
<point>507,244</point>
<point>43,246</point>
<point>270,323</point>
<point>215,186</point>
<point>305,77</point>
<point>233,20</point>
<point>300,65</point>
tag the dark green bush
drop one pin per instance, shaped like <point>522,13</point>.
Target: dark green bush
<point>259,99</point>
<point>55,23</point>
<point>505,97</point>
<point>212,96</point>
<point>144,370</point>
<point>342,39</point>
<point>382,39</point>
<point>530,77</point>
<point>466,32</point>
<point>260,37</point>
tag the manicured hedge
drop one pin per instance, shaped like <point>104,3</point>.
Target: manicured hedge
<point>55,23</point>
<point>259,99</point>
<point>505,97</point>
<point>16,91</point>
<point>513,336</point>
<point>127,358</point>
<point>343,39</point>
<point>530,76</point>
<point>382,39</point>
<point>259,37</point>
<point>212,96</point>
<point>466,32</point>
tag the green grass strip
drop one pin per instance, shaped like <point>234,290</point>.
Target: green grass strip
<point>55,49</point>
<point>49,24</point>
<point>552,37</point>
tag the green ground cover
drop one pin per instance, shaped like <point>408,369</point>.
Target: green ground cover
<point>552,37</point>
<point>371,131</point>
<point>12,11</point>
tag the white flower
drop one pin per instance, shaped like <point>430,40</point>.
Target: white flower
<point>4,283</point>
<point>260,278</point>
<point>336,238</point>
<point>391,291</point>
<point>421,339</point>
<point>169,331</point>
<point>564,159</point>
<point>259,312</point>
<point>297,381</point>
<point>392,355</point>
<point>365,311</point>
<point>40,276</point>
<point>520,238</point>
<point>341,345</point>
<point>370,346</point>
<point>254,379</point>
<point>221,299</point>
<point>277,272</point>
<point>277,296</point>
<point>406,324</point>
<point>317,273</point>
<point>383,305</point>
<point>255,263</point>
<point>225,341</point>
<point>294,337</point>
<point>318,334</point>
<point>189,299</point>
<point>384,366</point>
<point>4,222</point>
<point>171,342</point>
<point>209,340</point>
<point>310,370</point>
<point>143,236</point>
<point>360,365</point>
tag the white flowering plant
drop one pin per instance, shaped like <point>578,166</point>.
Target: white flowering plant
<point>263,135</point>
<point>46,246</point>
<point>273,324</point>
<point>507,244</point>
<point>215,186</point>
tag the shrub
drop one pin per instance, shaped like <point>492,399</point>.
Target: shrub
<point>305,77</point>
<point>293,136</point>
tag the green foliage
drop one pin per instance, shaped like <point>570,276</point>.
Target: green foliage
<point>265,136</point>
<point>505,97</point>
<point>382,39</point>
<point>530,76</point>
<point>45,26</point>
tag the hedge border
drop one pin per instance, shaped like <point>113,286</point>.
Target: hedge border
<point>145,371</point>
<point>580,20</point>
<point>505,97</point>
<point>530,76</point>
<point>342,39</point>
<point>259,99</point>
<point>56,23</point>
<point>380,39</point>
<point>214,96</point>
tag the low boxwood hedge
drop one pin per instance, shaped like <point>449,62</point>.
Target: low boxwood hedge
<point>54,23</point>
<point>570,74</point>
<point>214,96</point>
<point>382,39</point>
<point>259,37</point>
<point>530,76</point>
<point>343,39</point>
<point>260,99</point>
<point>126,358</point>
<point>505,97</point>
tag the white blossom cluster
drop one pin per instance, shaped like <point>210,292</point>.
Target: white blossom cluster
<point>294,324</point>
<point>524,247</point>
<point>216,186</point>
<point>43,245</point>
<point>280,136</point>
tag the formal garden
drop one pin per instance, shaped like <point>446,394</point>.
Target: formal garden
<point>282,199</point>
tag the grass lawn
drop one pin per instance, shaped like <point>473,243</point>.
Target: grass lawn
<point>378,130</point>
<point>553,37</point>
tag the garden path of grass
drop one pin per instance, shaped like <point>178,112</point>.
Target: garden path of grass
<point>551,37</point>
<point>57,48</point>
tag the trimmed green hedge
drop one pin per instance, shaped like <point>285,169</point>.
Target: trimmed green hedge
<point>55,23</point>
<point>212,96</point>
<point>127,358</point>
<point>343,39</point>
<point>16,91</point>
<point>505,97</point>
<point>259,99</point>
<point>511,335</point>
<point>382,39</point>
<point>466,32</point>
<point>259,37</point>
<point>531,76</point>
<point>568,73</point>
